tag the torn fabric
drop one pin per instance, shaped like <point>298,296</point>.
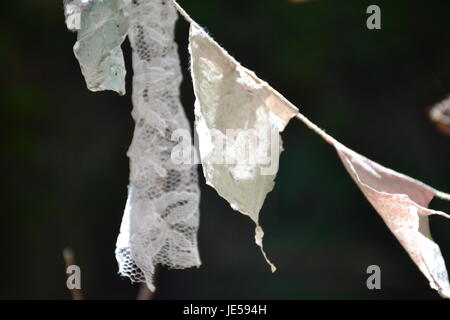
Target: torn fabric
<point>103,27</point>
<point>72,12</point>
<point>238,121</point>
<point>402,202</point>
<point>161,218</point>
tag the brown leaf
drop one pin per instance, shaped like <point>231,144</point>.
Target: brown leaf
<point>440,115</point>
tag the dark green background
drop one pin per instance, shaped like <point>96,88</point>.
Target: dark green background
<point>64,170</point>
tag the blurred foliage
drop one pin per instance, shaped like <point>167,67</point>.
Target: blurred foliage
<point>65,170</point>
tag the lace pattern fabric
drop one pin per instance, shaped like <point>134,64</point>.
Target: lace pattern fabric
<point>161,217</point>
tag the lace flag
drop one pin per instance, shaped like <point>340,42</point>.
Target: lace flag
<point>162,214</point>
<point>161,217</point>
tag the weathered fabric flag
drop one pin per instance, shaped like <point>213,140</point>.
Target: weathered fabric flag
<point>238,121</point>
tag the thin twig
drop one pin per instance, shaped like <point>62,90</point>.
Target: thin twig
<point>144,292</point>
<point>69,258</point>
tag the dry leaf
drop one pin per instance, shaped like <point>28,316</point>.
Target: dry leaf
<point>440,115</point>
<point>238,121</point>
<point>402,202</point>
